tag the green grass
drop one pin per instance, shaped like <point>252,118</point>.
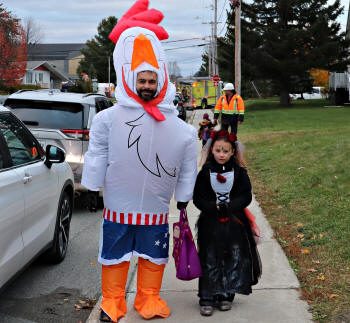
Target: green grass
<point>299,161</point>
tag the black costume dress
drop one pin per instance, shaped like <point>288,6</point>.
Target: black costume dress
<point>227,250</point>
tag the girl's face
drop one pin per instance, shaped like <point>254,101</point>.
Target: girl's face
<point>222,151</point>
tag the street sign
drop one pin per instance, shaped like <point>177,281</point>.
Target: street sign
<point>216,78</point>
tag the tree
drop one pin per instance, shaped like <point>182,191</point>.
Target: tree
<point>282,40</point>
<point>97,53</point>
<point>12,49</point>
<point>320,77</point>
<point>33,31</point>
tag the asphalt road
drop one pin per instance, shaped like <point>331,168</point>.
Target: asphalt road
<point>59,293</point>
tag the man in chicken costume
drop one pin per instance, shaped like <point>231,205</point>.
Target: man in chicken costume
<point>140,153</point>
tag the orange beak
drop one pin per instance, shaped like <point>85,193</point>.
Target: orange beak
<point>143,52</point>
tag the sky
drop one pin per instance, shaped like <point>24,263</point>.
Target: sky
<point>186,21</point>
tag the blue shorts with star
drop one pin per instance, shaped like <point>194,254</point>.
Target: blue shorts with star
<point>119,242</point>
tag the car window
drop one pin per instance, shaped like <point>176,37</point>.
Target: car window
<point>102,104</point>
<point>47,114</point>
<point>21,145</point>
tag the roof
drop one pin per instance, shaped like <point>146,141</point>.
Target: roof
<point>57,96</point>
<point>49,52</point>
<point>33,65</point>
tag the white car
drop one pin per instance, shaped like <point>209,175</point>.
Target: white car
<point>36,198</point>
<point>316,93</point>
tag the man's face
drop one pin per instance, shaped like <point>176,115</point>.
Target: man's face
<point>228,92</point>
<point>146,85</point>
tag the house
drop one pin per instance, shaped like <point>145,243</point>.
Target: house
<point>339,83</point>
<point>44,75</point>
<point>63,57</point>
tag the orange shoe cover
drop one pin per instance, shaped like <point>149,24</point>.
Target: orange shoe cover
<point>149,280</point>
<point>113,290</point>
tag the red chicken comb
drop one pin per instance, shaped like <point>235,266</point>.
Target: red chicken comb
<point>140,16</point>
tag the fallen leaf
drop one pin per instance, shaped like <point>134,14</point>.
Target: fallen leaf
<point>85,304</point>
<point>305,251</point>
<point>316,262</point>
<point>301,167</point>
<point>332,296</point>
<point>299,225</point>
<point>321,276</point>
<point>300,235</point>
<point>312,270</point>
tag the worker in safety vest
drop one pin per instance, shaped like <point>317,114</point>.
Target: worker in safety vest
<point>231,107</point>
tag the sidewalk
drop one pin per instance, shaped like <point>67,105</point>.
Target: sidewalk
<point>275,299</point>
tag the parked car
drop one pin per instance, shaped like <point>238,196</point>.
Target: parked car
<point>60,118</point>
<point>316,93</point>
<point>36,198</point>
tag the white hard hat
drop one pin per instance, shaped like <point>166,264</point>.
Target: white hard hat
<point>228,86</point>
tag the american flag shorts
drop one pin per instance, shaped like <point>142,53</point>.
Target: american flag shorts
<point>119,242</point>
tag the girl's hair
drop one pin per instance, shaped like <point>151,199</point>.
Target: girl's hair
<point>231,138</point>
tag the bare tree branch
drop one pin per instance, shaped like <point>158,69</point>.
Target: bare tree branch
<point>33,31</point>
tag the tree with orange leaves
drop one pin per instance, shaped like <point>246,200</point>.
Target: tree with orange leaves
<point>320,77</point>
<point>13,50</point>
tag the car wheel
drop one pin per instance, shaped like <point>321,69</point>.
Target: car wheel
<point>61,236</point>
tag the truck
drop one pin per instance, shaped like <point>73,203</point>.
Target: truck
<point>200,91</point>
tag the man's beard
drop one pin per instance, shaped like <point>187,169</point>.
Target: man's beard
<point>146,95</point>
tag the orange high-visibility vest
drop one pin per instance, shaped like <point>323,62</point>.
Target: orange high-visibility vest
<point>236,105</point>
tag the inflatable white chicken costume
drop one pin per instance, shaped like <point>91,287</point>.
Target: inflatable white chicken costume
<point>140,153</point>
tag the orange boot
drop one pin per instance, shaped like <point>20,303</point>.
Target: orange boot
<point>149,280</point>
<point>113,290</point>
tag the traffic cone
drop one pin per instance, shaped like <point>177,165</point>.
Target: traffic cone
<point>114,279</point>
<point>149,280</point>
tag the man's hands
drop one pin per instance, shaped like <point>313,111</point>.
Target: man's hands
<point>181,205</point>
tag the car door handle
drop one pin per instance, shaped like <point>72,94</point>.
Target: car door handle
<point>27,178</point>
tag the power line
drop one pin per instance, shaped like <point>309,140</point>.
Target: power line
<point>175,41</point>
<point>222,10</point>
<point>200,45</point>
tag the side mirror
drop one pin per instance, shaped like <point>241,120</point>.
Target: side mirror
<point>54,155</point>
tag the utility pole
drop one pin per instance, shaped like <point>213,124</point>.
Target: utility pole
<point>213,68</point>
<point>237,6</point>
<point>216,69</point>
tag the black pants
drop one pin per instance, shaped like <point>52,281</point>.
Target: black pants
<point>229,120</point>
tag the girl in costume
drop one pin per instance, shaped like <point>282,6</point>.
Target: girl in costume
<point>205,127</point>
<point>227,249</point>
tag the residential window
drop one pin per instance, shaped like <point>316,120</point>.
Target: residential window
<point>41,77</point>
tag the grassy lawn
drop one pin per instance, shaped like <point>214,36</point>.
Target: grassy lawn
<point>299,161</point>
